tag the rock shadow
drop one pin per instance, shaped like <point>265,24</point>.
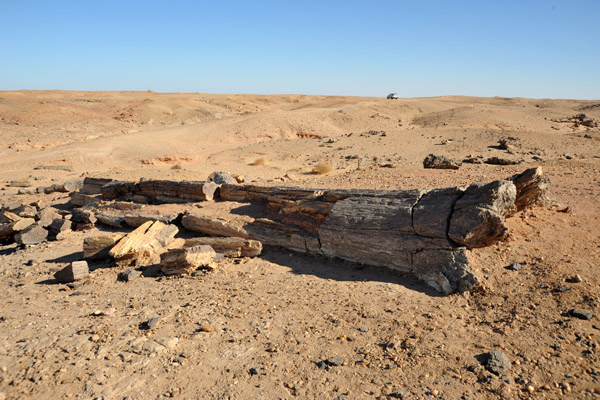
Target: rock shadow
<point>342,270</point>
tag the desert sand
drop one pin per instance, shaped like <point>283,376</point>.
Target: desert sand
<point>258,328</point>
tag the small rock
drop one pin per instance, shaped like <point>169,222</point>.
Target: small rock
<point>20,183</point>
<point>501,161</point>
<point>47,216</point>
<point>440,162</point>
<point>26,211</point>
<point>150,324</point>
<point>253,371</point>
<point>27,191</point>
<point>221,178</point>
<point>77,270</point>
<point>129,275</point>
<point>497,362</point>
<point>334,361</point>
<point>169,343</point>
<point>474,368</point>
<point>59,225</point>
<point>575,279</point>
<point>153,347</point>
<point>515,266</point>
<point>582,313</point>
<point>33,234</point>
<point>363,329</point>
<point>207,328</point>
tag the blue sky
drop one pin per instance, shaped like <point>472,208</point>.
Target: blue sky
<point>523,48</point>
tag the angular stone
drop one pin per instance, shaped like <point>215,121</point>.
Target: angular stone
<point>479,215</point>
<point>73,272</point>
<point>440,162</point>
<point>228,246</point>
<point>582,313</point>
<point>186,261</point>
<point>20,183</point>
<point>497,362</point>
<point>129,275</point>
<point>33,234</point>
<point>221,178</point>
<point>26,211</point>
<point>47,216</point>
<point>98,247</point>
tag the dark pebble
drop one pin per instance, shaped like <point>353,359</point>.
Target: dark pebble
<point>562,288</point>
<point>497,362</point>
<point>150,324</point>
<point>514,266</point>
<point>322,365</point>
<point>582,313</point>
<point>129,275</point>
<point>403,394</point>
<point>253,371</point>
<point>334,361</point>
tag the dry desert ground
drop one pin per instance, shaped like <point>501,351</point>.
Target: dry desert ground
<point>285,324</point>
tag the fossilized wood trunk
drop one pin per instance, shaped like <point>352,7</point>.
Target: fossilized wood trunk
<point>228,246</point>
<point>9,230</point>
<point>186,261</point>
<point>144,244</point>
<point>426,233</point>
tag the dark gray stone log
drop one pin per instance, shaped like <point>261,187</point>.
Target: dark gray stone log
<point>478,216</point>
<point>425,233</point>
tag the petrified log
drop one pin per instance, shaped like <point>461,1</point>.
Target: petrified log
<point>228,246</point>
<point>186,261</point>
<point>80,199</point>
<point>440,162</point>
<point>214,226</point>
<point>46,216</point>
<point>143,243</point>
<point>33,234</point>
<point>6,217</point>
<point>8,230</point>
<point>426,233</point>
<point>98,247</point>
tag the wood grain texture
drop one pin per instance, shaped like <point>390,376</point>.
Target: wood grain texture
<point>425,233</point>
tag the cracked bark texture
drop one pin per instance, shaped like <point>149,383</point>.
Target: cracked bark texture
<point>425,233</point>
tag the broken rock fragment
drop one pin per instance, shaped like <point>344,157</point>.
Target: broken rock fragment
<point>144,243</point>
<point>33,234</point>
<point>73,272</point>
<point>186,261</point>
<point>228,246</point>
<point>98,247</point>
<point>440,162</point>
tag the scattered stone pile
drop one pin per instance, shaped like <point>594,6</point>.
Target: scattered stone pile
<point>33,223</point>
<point>578,120</point>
